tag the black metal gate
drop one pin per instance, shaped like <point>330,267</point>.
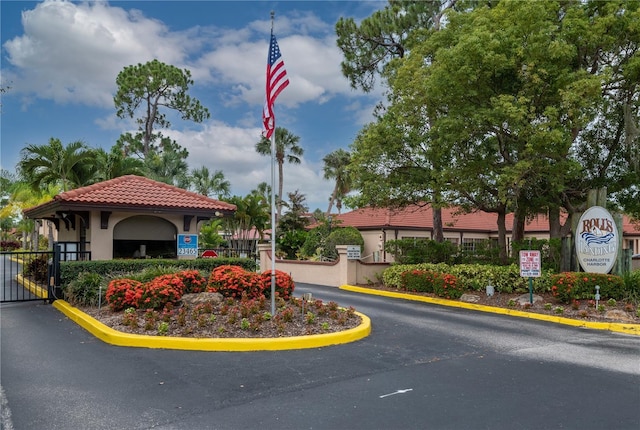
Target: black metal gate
<point>25,275</point>
<point>28,276</point>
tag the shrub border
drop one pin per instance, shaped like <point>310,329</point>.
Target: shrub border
<point>633,329</point>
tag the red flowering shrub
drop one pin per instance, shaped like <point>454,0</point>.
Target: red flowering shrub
<point>193,281</point>
<point>284,284</point>
<point>446,286</point>
<point>569,286</point>
<point>563,286</point>
<point>427,281</point>
<point>162,290</point>
<point>416,280</point>
<point>232,281</point>
<point>124,293</point>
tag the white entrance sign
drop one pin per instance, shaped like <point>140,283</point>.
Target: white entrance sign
<point>353,252</point>
<point>530,264</point>
<point>596,240</point>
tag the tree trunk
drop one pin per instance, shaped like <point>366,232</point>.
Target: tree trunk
<point>438,234</point>
<point>502,235</point>
<point>36,236</point>
<point>555,228</point>
<point>332,199</point>
<point>50,235</point>
<point>517,232</point>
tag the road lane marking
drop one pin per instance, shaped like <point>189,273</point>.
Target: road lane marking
<point>406,390</point>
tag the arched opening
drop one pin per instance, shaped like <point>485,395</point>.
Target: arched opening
<point>144,236</point>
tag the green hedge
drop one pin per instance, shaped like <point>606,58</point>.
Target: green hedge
<point>632,285</point>
<point>70,270</point>
<point>474,277</point>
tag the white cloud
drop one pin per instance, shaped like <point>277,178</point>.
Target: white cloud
<point>219,146</point>
<point>73,52</point>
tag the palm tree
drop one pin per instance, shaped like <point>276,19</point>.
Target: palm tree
<point>335,167</point>
<point>207,185</point>
<point>114,164</point>
<point>250,214</point>
<point>287,148</point>
<point>22,195</point>
<point>263,190</point>
<point>168,167</point>
<point>54,164</point>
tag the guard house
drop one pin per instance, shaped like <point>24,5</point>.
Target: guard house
<point>127,217</point>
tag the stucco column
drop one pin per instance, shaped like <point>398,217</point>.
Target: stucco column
<point>263,253</point>
<point>347,268</point>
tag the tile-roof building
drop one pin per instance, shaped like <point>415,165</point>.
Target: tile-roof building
<point>127,216</point>
<point>379,225</point>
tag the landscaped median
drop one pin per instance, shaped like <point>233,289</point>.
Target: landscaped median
<point>113,337</point>
<point>633,329</point>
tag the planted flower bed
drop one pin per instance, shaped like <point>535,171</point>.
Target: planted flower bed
<point>233,302</point>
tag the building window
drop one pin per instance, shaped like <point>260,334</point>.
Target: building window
<point>471,245</point>
<point>415,239</point>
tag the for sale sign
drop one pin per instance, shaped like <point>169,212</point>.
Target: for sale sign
<point>530,264</point>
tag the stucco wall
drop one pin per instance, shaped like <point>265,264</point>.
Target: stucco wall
<point>101,240</point>
<point>335,274</point>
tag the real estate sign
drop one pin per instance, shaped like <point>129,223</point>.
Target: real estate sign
<point>597,240</point>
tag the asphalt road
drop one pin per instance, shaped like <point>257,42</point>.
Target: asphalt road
<point>423,367</point>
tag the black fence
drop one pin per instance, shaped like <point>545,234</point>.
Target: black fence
<point>25,276</point>
<point>227,253</point>
<point>35,275</point>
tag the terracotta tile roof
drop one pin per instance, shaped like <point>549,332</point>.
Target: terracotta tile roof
<point>135,192</point>
<point>421,218</point>
<point>418,217</point>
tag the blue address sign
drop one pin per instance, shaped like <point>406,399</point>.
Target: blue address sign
<point>188,244</point>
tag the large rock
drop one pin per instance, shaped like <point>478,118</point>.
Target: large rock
<point>200,298</point>
<point>470,298</point>
<point>525,299</point>
<point>618,315</point>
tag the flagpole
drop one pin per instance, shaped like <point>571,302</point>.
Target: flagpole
<point>273,210</point>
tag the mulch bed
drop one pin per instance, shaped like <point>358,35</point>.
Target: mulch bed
<point>223,323</point>
<point>584,310</point>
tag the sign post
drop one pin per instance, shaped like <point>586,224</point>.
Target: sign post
<point>531,267</point>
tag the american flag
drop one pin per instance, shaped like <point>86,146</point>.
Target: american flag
<point>276,82</point>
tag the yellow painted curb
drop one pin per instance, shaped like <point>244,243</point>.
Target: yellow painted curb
<point>633,329</point>
<point>114,337</point>
<point>34,288</point>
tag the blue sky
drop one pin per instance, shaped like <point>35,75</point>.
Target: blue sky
<point>61,60</point>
